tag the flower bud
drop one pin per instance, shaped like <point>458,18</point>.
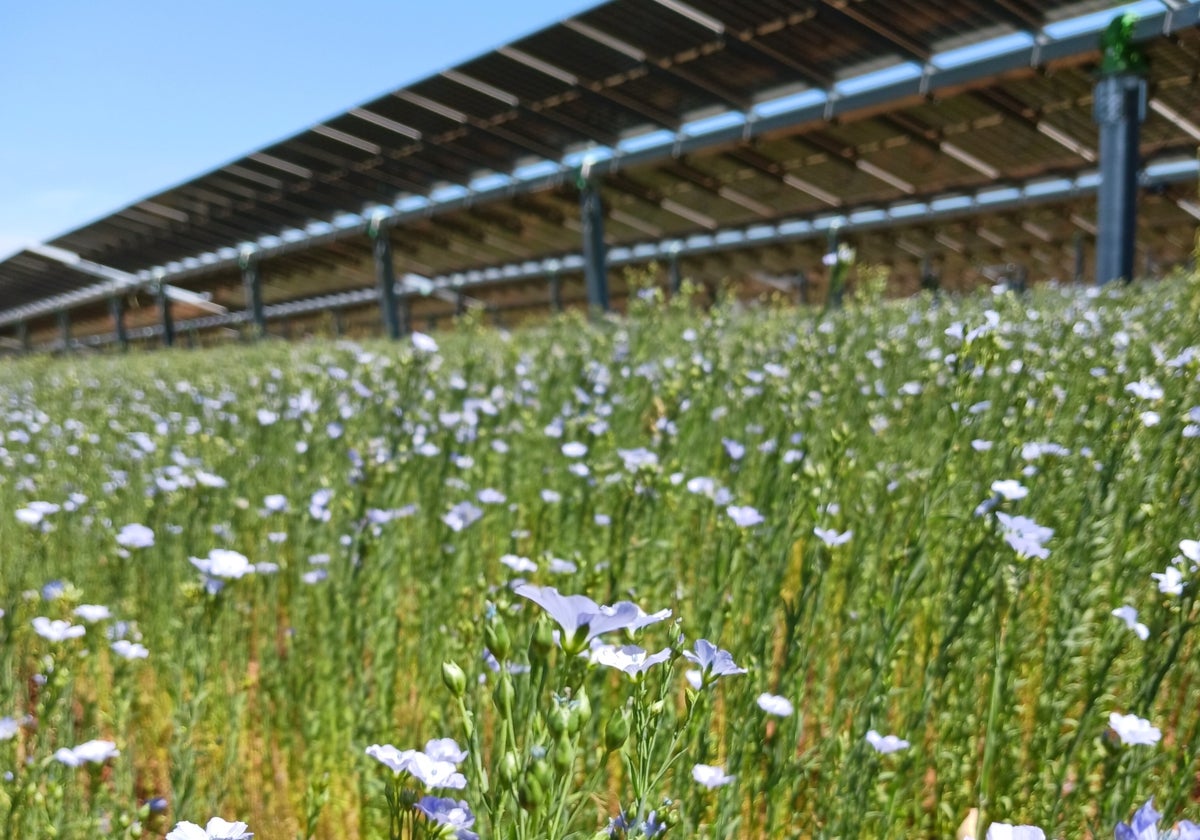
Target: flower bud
<point>581,712</point>
<point>530,794</point>
<point>541,643</point>
<point>495,636</point>
<point>616,731</point>
<point>503,695</point>
<point>540,770</point>
<point>454,678</point>
<point>510,768</point>
<point>558,721</point>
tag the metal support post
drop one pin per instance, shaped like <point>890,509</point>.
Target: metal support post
<point>1119,109</point>
<point>836,271</point>
<point>404,313</point>
<point>252,284</point>
<point>1021,279</point>
<point>1079,257</point>
<point>802,287</point>
<point>556,301</point>
<point>339,322</point>
<point>385,278</point>
<point>64,328</point>
<point>674,274</point>
<point>460,303</point>
<point>116,308</point>
<point>23,336</point>
<point>929,278</point>
<point>164,311</point>
<point>595,271</point>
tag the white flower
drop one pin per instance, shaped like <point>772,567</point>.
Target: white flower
<point>135,536</point>
<point>207,479</point>
<point>445,749</point>
<point>276,503</point>
<point>744,517</point>
<point>1129,615</point>
<point>491,496</point>
<point>57,630</point>
<point>574,449</point>
<point>129,650</point>
<point>432,772</point>
<point>1025,536</point>
<point>223,563</point>
<point>710,776</point>
<point>831,537</point>
<point>461,515</point>
<point>1191,551</point>
<point>1133,730</point>
<point>1010,489</point>
<point>8,728</point>
<point>518,563</point>
<point>423,343</point>
<point>1145,390</point>
<point>1170,582</point>
<point>94,752</point>
<point>217,829</point>
<point>29,516</point>
<point>886,743</point>
<point>92,613</point>
<point>631,659</point>
<point>773,704</point>
<point>1004,831</point>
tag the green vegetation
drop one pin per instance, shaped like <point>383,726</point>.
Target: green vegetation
<point>358,513</point>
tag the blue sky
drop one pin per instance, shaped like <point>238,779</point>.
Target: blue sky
<point>103,103</point>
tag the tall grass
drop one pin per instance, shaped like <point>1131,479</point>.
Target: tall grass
<point>258,701</point>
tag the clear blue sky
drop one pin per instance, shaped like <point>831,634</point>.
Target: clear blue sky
<point>103,103</point>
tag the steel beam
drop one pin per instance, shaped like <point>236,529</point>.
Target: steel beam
<point>990,199</point>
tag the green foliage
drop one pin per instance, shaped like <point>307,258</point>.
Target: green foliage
<point>257,702</point>
<point>1121,53</point>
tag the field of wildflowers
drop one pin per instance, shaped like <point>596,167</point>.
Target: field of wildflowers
<point>915,569</point>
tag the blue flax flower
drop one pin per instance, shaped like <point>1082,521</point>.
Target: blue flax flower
<point>1144,826</point>
<point>582,619</point>
<point>714,663</point>
<point>454,814</point>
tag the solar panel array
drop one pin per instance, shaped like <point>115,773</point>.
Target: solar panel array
<point>697,118</point>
